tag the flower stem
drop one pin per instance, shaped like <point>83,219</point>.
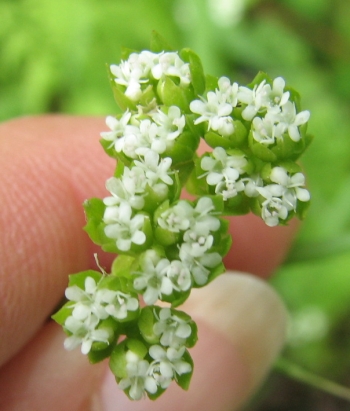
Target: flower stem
<point>298,373</point>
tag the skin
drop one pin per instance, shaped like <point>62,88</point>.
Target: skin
<point>49,166</point>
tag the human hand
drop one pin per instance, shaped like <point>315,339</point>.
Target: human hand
<point>49,166</point>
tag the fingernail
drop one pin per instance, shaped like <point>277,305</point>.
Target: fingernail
<point>249,313</point>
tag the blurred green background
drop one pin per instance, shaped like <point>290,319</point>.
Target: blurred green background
<point>53,55</point>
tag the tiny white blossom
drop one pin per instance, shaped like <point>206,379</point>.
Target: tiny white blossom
<point>216,111</point>
<point>132,73</point>
<point>176,218</point>
<point>170,126</point>
<point>84,333</point>
<point>229,92</point>
<point>173,331</point>
<point>292,120</point>
<point>276,94</point>
<point>273,208</point>
<point>292,187</point>
<point>170,64</point>
<point>166,364</point>
<point>122,227</point>
<point>152,279</point>
<point>138,379</point>
<point>198,265</point>
<point>266,131</point>
<point>156,169</point>
<point>118,303</point>
<point>255,99</point>
<point>129,188</point>
<point>223,172</point>
<point>85,302</point>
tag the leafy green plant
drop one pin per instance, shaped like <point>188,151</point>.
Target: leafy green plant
<point>166,246</point>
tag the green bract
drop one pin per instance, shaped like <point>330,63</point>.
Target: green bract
<point>166,245</point>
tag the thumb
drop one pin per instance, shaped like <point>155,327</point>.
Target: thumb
<point>242,324</point>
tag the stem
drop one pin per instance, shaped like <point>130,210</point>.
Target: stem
<point>298,373</point>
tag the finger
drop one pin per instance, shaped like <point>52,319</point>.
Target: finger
<point>46,377</point>
<point>51,165</point>
<point>242,325</point>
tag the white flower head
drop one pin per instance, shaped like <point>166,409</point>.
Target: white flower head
<point>292,120</point>
<point>156,169</point>
<point>256,99</point>
<point>215,111</point>
<point>85,302</point>
<point>166,364</point>
<point>223,172</point>
<point>122,227</point>
<point>170,125</point>
<point>170,64</point>
<point>138,379</point>
<point>84,333</point>
<point>152,279</point>
<point>117,303</point>
<point>229,92</point>
<point>173,331</point>
<point>266,131</point>
<point>176,218</point>
<point>292,187</point>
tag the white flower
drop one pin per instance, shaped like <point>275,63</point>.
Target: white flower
<point>176,218</point>
<point>223,171</point>
<point>155,168</point>
<point>291,120</point>
<point>129,188</point>
<point>255,99</point>
<point>84,333</point>
<point>273,208</point>
<point>198,265</point>
<point>121,227</point>
<point>292,187</point>
<point>152,279</point>
<point>118,127</point>
<point>203,220</point>
<point>277,95</point>
<point>132,73</point>
<point>86,302</point>
<point>138,378</point>
<point>178,273</point>
<point>229,92</point>
<point>251,185</point>
<point>170,64</point>
<point>215,111</point>
<point>170,126</point>
<point>118,303</point>
<point>199,243</point>
<point>173,331</point>
<point>167,363</point>
<point>266,131</point>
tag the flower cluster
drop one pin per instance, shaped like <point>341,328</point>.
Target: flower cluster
<point>166,246</point>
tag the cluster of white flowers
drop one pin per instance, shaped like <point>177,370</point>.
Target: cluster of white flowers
<point>142,375</point>
<point>269,108</point>
<point>133,135</point>
<point>223,171</point>
<point>159,276</point>
<point>227,174</point>
<point>135,72</point>
<point>90,306</point>
<point>279,198</point>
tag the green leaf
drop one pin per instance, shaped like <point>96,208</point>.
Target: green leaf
<point>146,322</point>
<point>184,380</point>
<point>196,69</point>
<point>158,43</point>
